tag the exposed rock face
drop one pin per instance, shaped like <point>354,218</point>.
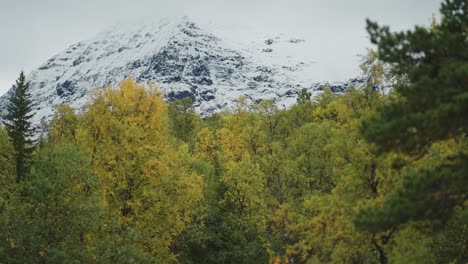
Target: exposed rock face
<point>185,60</point>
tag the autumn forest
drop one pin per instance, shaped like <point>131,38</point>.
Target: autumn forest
<point>372,175</point>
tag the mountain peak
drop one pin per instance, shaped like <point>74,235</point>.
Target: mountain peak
<point>185,59</point>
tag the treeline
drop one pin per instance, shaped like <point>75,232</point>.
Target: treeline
<point>363,177</point>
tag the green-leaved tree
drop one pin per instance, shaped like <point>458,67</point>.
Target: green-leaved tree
<point>18,124</point>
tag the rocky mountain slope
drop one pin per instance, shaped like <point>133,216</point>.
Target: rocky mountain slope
<point>184,59</point>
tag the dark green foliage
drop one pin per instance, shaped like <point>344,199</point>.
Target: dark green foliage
<point>430,106</point>
<point>451,242</point>
<point>231,241</point>
<point>183,119</point>
<point>428,194</point>
<point>62,191</point>
<point>8,190</point>
<point>18,124</point>
<point>7,160</point>
<point>58,220</point>
<point>433,102</point>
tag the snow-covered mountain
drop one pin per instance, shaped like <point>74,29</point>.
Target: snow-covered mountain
<point>184,59</point>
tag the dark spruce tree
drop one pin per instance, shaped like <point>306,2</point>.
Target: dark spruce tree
<point>18,124</point>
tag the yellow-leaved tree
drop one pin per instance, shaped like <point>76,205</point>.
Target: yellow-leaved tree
<point>147,187</point>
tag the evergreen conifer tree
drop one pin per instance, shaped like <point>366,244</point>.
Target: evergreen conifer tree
<point>18,124</point>
<point>429,107</point>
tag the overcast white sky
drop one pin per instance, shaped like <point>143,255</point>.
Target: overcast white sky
<point>32,31</point>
